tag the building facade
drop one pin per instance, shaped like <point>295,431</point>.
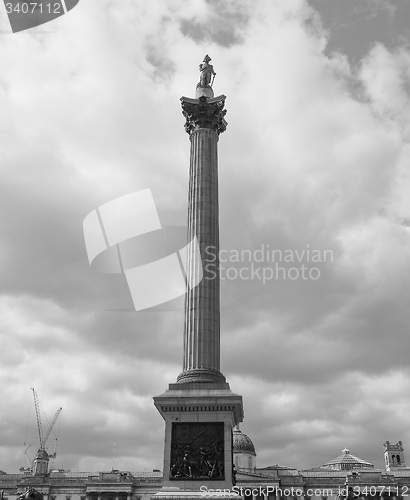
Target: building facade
<point>345,476</point>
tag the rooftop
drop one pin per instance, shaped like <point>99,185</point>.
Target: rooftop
<point>347,461</point>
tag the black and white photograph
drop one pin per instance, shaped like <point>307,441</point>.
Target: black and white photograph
<point>205,249</point>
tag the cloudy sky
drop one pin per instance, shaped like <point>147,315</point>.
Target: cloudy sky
<point>316,156</point>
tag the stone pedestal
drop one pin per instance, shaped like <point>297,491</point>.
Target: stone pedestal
<point>204,91</point>
<point>199,419</point>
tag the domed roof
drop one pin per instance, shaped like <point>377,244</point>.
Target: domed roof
<point>42,454</point>
<point>241,442</point>
<point>346,461</point>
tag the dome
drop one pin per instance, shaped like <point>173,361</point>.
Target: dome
<point>346,461</point>
<point>242,443</point>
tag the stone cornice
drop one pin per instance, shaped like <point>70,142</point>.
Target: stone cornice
<point>204,113</point>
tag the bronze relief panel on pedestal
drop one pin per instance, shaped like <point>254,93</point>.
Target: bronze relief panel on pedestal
<point>197,451</point>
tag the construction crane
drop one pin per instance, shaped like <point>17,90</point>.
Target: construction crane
<point>29,463</point>
<point>44,436</point>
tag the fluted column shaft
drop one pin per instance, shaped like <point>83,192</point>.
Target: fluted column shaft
<point>202,302</point>
<point>202,315</point>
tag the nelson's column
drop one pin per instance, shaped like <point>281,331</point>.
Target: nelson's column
<point>200,410</point>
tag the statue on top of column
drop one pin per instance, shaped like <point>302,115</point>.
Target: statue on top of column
<point>207,73</point>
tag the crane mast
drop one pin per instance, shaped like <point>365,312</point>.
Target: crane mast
<point>39,426</point>
<point>51,425</point>
<point>43,436</point>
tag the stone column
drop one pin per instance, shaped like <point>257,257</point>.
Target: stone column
<point>204,122</point>
<point>200,410</point>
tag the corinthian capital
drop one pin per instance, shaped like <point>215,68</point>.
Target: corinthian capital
<point>204,113</point>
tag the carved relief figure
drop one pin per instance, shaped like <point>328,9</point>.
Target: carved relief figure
<point>204,465</point>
